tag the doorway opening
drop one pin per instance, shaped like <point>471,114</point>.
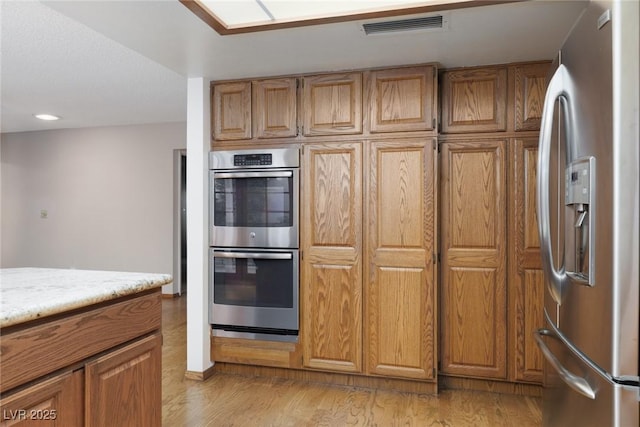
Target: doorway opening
<point>179,221</point>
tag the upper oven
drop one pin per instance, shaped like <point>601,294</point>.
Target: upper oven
<point>255,198</point>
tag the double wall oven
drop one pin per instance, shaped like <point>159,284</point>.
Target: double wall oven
<point>253,239</point>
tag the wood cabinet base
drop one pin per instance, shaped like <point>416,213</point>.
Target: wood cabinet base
<point>253,352</point>
<point>100,365</point>
<point>447,382</point>
<point>351,380</point>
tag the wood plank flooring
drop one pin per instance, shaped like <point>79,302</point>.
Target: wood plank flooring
<point>232,400</point>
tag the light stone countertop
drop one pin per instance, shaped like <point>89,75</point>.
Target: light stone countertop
<point>32,293</point>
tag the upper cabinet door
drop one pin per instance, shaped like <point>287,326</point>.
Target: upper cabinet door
<point>474,100</point>
<point>530,87</point>
<point>332,104</point>
<point>403,99</point>
<point>232,111</point>
<point>275,108</point>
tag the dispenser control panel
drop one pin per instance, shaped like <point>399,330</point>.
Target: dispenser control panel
<point>579,199</point>
<point>578,183</point>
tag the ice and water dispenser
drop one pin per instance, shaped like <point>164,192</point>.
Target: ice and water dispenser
<point>579,199</point>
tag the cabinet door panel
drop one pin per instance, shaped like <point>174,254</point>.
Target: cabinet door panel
<point>331,285</point>
<point>530,86</point>
<point>332,339</point>
<point>526,279</point>
<point>403,99</point>
<point>275,108</point>
<point>56,401</point>
<point>474,100</point>
<point>400,284</point>
<point>124,387</point>
<point>474,304</point>
<point>332,104</point>
<point>232,111</point>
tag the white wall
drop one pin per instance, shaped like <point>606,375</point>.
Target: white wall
<point>108,193</point>
<point>198,131</point>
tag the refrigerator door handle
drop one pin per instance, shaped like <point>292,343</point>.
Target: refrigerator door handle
<point>577,383</point>
<point>557,90</point>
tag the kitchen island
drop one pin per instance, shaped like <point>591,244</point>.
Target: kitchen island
<point>80,347</point>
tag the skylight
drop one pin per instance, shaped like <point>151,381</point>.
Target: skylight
<point>240,16</point>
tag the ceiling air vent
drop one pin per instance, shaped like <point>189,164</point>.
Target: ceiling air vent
<point>426,23</point>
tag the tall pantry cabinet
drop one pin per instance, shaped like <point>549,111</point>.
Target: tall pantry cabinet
<point>368,280</point>
<point>400,229</point>
<point>331,279</point>
<point>491,278</point>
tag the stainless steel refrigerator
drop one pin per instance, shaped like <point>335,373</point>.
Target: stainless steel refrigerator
<point>588,210</point>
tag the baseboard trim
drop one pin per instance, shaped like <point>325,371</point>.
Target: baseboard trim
<point>199,376</point>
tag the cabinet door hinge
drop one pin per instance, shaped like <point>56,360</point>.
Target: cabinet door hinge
<point>302,253</point>
<point>297,83</point>
<point>434,123</point>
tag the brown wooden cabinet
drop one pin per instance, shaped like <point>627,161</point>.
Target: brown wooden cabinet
<point>331,285</point>
<point>402,99</point>
<point>332,104</point>
<point>494,99</point>
<point>56,401</point>
<point>262,109</point>
<point>400,228</point>
<point>275,108</point>
<point>123,387</point>
<point>501,265</point>
<point>399,287</point>
<point>474,299</point>
<point>526,279</point>
<point>231,109</point>
<point>474,100</point>
<point>530,84</point>
<point>97,379</point>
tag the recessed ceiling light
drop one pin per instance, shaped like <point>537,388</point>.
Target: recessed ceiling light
<point>48,117</point>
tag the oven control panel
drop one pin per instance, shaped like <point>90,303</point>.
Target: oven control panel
<point>272,158</point>
<point>252,159</point>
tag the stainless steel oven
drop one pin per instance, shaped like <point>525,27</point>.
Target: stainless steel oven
<point>254,258</point>
<point>254,294</point>
<point>255,198</point>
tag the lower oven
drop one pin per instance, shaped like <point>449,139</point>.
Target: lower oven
<point>254,293</point>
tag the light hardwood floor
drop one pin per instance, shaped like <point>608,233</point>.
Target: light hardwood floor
<point>232,400</point>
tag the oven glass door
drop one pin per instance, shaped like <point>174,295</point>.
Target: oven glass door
<point>254,289</point>
<point>255,208</point>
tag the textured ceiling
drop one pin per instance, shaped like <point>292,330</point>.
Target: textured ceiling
<point>99,63</point>
<point>53,64</point>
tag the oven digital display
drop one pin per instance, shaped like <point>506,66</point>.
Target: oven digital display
<point>252,159</point>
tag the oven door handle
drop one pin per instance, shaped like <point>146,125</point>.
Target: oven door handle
<point>254,255</point>
<point>274,174</point>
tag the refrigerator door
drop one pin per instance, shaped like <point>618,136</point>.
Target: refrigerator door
<point>591,338</point>
<point>577,392</point>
